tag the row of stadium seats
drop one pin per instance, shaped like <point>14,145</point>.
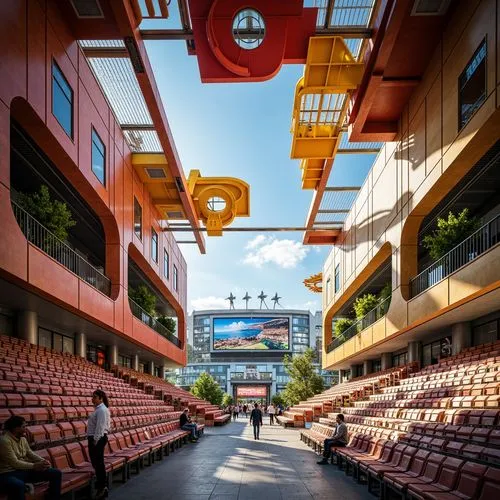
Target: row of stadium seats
<point>52,391</point>
<point>418,438</point>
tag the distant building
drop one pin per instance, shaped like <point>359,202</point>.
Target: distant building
<point>244,349</point>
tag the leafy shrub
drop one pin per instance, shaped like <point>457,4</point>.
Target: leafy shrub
<point>449,233</point>
<point>341,325</point>
<point>144,298</point>
<point>364,304</point>
<point>169,323</point>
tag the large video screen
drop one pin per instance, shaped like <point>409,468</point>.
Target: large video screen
<point>251,334</point>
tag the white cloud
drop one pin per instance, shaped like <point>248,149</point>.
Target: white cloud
<point>210,302</point>
<point>257,241</point>
<point>284,253</point>
<point>235,325</point>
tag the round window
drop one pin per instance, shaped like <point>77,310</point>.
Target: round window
<point>248,29</point>
<point>216,204</point>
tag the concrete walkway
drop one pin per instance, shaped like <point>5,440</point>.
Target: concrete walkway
<point>228,464</point>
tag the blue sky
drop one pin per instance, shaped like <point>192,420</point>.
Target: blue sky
<point>243,130</point>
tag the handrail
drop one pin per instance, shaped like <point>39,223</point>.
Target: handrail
<point>466,251</point>
<point>368,319</point>
<point>37,234</point>
<point>147,319</point>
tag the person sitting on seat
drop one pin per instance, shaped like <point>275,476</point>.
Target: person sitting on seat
<point>339,439</point>
<point>188,425</point>
<point>19,466</point>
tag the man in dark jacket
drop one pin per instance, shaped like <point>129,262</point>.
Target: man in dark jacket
<point>256,420</point>
<point>187,425</point>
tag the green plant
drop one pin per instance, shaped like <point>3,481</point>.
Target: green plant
<point>144,298</point>
<point>364,304</point>
<point>449,233</point>
<point>277,400</point>
<point>53,214</point>
<point>169,323</point>
<point>304,381</point>
<point>385,293</point>
<point>208,389</point>
<point>227,400</point>
<point>340,326</point>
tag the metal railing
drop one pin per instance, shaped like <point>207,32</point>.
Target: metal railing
<point>147,319</point>
<point>236,376</point>
<point>371,316</point>
<point>477,243</point>
<point>48,242</point>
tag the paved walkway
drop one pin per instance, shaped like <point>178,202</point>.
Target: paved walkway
<point>228,464</point>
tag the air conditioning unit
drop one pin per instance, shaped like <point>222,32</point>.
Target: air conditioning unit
<point>87,9</point>
<point>156,173</point>
<point>430,7</point>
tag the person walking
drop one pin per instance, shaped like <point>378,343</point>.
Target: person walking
<point>256,420</point>
<point>245,408</point>
<point>235,412</point>
<point>98,427</point>
<point>271,410</point>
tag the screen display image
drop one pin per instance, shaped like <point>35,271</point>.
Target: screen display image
<point>251,333</point>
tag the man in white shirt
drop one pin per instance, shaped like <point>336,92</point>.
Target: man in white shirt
<point>271,410</point>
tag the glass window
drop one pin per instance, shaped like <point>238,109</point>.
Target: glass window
<point>154,245</point>
<point>68,345</point>
<point>337,278</point>
<point>176,284</point>
<point>482,334</point>
<point>166,264</point>
<point>45,338</point>
<point>472,86</point>
<point>137,219</point>
<point>400,359</point>
<point>328,288</point>
<point>62,100</point>
<point>98,158</point>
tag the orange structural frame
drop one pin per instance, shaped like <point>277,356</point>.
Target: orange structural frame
<point>288,27</point>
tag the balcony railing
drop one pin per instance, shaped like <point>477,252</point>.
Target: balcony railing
<point>141,314</point>
<point>477,243</point>
<point>45,240</point>
<point>374,315</point>
<point>243,376</point>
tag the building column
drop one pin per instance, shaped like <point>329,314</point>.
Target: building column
<point>461,336</point>
<point>415,352</point>
<point>81,345</point>
<point>151,368</point>
<point>27,326</point>
<point>112,355</point>
<point>367,366</point>
<point>386,360</point>
<point>135,362</point>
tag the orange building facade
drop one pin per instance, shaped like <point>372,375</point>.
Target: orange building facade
<point>41,292</point>
<point>445,157</point>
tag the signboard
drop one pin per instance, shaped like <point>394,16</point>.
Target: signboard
<point>251,391</point>
<point>254,334</point>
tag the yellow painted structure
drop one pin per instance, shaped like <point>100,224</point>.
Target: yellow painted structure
<point>314,283</point>
<point>320,104</point>
<point>217,200</point>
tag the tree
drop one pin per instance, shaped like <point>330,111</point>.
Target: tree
<point>208,389</point>
<point>304,381</point>
<point>364,304</point>
<point>340,326</point>
<point>169,323</point>
<point>227,400</point>
<point>449,233</point>
<point>53,214</point>
<point>143,298</point>
<point>277,400</point>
